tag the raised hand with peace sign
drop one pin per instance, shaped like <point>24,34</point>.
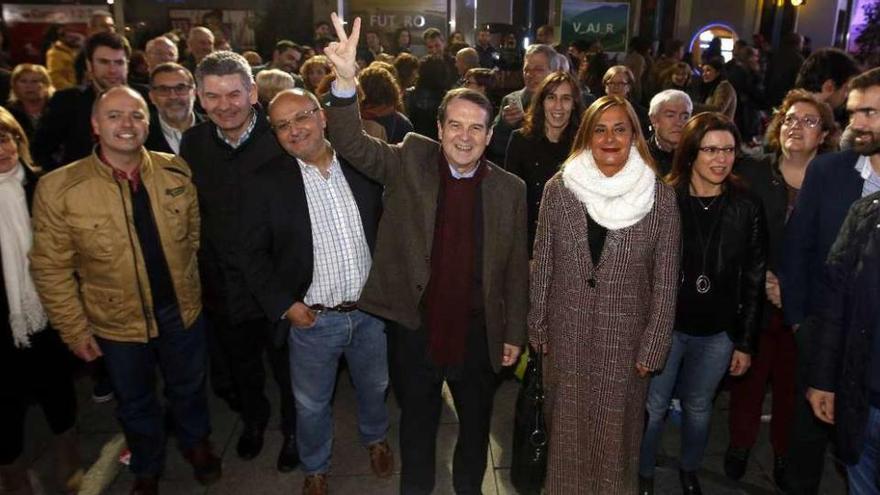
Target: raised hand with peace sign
<point>343,52</point>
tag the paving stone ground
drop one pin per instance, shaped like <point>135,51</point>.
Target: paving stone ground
<point>350,472</point>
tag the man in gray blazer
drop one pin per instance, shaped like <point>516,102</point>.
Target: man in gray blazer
<point>450,269</point>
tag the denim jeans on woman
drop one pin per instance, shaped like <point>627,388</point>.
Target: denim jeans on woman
<point>695,367</point>
<point>314,360</point>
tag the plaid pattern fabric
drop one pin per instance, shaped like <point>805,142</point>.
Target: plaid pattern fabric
<point>341,254</point>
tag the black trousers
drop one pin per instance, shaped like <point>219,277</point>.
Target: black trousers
<point>809,436</point>
<point>40,373</point>
<point>418,391</point>
<point>243,345</point>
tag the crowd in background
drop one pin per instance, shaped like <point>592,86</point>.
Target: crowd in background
<point>678,210</point>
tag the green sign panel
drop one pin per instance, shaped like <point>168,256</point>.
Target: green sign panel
<point>606,21</point>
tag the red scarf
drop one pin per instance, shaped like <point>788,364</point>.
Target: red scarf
<point>450,290</point>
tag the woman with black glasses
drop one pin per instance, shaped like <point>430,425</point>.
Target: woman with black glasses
<point>723,232</point>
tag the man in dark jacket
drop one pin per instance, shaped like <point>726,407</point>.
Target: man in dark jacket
<point>834,181</point>
<point>449,272</point>
<point>310,223</point>
<point>845,366</point>
<point>222,152</point>
<point>64,133</point>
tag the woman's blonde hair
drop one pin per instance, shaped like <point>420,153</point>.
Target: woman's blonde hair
<point>23,69</point>
<point>9,125</point>
<point>591,118</point>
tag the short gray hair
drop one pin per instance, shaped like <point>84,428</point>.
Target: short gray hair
<point>224,63</point>
<point>547,51</point>
<point>669,96</point>
<point>270,82</point>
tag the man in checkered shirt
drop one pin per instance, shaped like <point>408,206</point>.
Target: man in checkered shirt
<point>310,223</point>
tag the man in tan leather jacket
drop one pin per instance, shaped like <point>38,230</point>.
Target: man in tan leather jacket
<point>114,262</point>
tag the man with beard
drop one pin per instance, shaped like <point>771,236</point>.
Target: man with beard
<point>825,73</point>
<point>834,181</point>
<point>172,91</point>
<point>845,366</point>
<point>669,110</point>
<point>64,133</point>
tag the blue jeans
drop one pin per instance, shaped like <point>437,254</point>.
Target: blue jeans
<point>864,476</point>
<point>181,357</point>
<point>696,365</point>
<point>314,359</point>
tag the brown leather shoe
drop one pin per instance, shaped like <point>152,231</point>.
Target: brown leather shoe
<point>145,486</point>
<point>207,467</point>
<point>315,484</point>
<point>381,459</point>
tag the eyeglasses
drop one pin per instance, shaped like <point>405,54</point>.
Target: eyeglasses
<point>792,120</point>
<point>179,90</point>
<point>298,120</point>
<point>713,151</point>
<point>6,139</point>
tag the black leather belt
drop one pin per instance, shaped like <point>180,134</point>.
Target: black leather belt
<point>346,307</point>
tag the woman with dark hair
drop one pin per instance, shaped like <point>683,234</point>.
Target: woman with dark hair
<point>800,129</point>
<point>604,280</point>
<point>407,66</point>
<point>714,93</point>
<point>402,41</point>
<point>34,364</point>
<point>424,98</point>
<point>537,149</point>
<point>382,102</point>
<point>677,77</point>
<point>723,232</point>
<point>481,80</point>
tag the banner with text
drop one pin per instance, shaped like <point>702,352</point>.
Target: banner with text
<point>388,16</point>
<point>606,21</point>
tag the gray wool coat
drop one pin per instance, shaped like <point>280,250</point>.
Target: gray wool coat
<point>598,322</point>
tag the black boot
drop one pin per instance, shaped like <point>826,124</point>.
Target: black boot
<point>250,443</point>
<point>690,484</point>
<point>735,462</point>
<point>646,485</point>
<point>288,457</point>
<point>779,463</point>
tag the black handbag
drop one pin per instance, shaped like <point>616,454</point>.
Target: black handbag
<point>529,465</point>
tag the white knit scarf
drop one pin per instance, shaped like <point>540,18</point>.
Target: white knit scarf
<point>26,314</point>
<point>614,202</point>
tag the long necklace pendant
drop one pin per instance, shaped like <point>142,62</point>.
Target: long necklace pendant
<point>703,284</point>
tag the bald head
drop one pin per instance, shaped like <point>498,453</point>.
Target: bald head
<point>299,124</point>
<point>160,50</point>
<point>200,42</point>
<point>465,60</point>
<point>121,120</point>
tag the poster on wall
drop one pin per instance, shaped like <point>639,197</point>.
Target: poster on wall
<point>606,21</point>
<point>236,26</point>
<point>859,21</point>
<point>390,15</point>
<point>28,24</point>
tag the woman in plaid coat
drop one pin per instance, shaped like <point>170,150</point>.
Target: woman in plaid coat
<point>604,282</point>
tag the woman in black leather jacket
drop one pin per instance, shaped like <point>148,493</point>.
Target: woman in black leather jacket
<point>721,293</point>
<point>801,128</point>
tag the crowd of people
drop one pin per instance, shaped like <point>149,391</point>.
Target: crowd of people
<point>658,227</point>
